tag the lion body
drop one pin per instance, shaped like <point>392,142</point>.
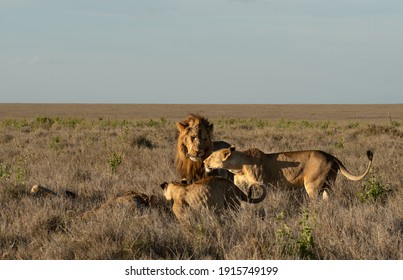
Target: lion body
<point>211,192</point>
<point>132,201</point>
<point>193,146</point>
<point>41,190</point>
<point>314,170</point>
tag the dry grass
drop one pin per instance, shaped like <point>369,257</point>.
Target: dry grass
<point>102,158</point>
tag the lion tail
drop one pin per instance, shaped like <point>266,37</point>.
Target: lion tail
<point>352,177</point>
<point>260,198</point>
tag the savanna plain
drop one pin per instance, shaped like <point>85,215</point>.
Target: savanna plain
<point>100,152</point>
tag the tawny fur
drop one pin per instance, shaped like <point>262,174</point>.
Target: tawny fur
<point>193,146</point>
<point>211,192</point>
<point>43,191</point>
<point>314,170</point>
<point>40,190</point>
<point>133,201</point>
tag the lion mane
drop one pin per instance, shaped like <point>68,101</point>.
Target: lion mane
<point>193,146</point>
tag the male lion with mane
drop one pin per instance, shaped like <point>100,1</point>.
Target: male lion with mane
<point>315,170</point>
<point>214,193</point>
<point>194,145</point>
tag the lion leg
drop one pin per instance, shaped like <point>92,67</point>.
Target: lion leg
<point>311,190</point>
<point>177,209</point>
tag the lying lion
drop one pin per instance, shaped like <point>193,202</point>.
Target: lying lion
<point>314,170</point>
<point>131,200</point>
<point>43,191</point>
<point>211,192</point>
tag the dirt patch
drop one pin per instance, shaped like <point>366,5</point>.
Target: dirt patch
<point>374,112</point>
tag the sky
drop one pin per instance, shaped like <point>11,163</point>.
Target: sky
<point>201,51</point>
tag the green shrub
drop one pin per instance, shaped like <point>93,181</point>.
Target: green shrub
<point>69,122</point>
<point>114,161</point>
<point>284,236</point>
<point>340,143</point>
<point>299,244</point>
<point>373,190</point>
<point>305,244</point>
<point>21,172</point>
<point>5,171</point>
<point>44,122</point>
<point>56,143</point>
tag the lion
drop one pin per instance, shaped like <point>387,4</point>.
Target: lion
<point>313,169</point>
<point>40,190</point>
<point>131,200</point>
<point>215,193</point>
<point>193,146</point>
<point>43,191</point>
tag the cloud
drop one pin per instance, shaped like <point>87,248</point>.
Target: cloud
<point>15,61</point>
<point>33,60</point>
<point>25,61</point>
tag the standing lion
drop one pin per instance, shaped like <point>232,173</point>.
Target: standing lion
<point>194,145</point>
<point>313,170</point>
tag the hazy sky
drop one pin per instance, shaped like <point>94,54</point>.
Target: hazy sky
<point>201,51</point>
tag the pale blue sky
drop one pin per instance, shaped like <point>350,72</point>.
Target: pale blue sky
<point>205,51</point>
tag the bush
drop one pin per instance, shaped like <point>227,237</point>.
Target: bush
<point>300,244</point>
<point>373,190</point>
<point>114,161</point>
<point>5,171</point>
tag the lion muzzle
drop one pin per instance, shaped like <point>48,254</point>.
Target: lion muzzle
<point>197,157</point>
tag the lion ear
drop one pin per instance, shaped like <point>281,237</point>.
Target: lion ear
<point>164,185</point>
<point>181,126</point>
<point>232,148</point>
<point>227,153</point>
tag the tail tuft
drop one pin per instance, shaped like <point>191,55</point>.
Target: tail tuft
<point>370,155</point>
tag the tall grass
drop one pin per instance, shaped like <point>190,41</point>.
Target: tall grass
<point>101,159</point>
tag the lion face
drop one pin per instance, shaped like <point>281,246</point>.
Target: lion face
<point>196,135</point>
<point>218,159</point>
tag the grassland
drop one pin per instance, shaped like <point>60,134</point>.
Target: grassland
<point>103,154</point>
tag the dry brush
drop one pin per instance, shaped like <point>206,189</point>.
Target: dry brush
<point>101,159</point>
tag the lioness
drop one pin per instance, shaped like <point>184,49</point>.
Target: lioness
<point>193,146</point>
<point>133,201</point>
<point>43,191</point>
<point>40,190</point>
<point>314,170</point>
<point>211,192</point>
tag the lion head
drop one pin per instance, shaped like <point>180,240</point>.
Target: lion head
<point>219,159</point>
<point>194,145</point>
